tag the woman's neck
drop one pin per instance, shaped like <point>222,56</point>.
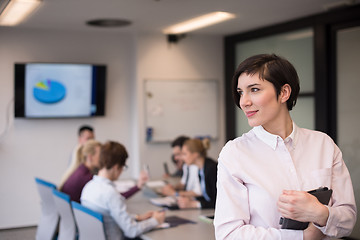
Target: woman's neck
<point>282,127</point>
<point>200,162</point>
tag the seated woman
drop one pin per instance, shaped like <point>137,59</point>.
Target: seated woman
<point>194,153</point>
<point>89,164</point>
<point>189,184</point>
<point>88,156</point>
<point>101,195</point>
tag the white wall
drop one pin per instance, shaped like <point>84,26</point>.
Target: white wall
<point>42,147</point>
<point>194,57</point>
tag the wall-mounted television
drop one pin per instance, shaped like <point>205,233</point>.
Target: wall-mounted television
<point>59,90</point>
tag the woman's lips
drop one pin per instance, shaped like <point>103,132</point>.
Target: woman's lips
<point>250,113</point>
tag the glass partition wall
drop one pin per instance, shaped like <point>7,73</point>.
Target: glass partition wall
<point>348,107</point>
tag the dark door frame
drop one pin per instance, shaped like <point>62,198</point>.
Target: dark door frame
<point>324,26</point>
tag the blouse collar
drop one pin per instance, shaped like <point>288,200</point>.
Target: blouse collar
<point>272,139</point>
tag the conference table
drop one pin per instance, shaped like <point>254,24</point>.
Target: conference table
<point>200,228</point>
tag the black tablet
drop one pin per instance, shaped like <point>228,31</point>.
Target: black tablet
<point>323,194</point>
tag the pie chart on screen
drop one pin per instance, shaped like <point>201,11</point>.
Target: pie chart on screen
<point>49,91</point>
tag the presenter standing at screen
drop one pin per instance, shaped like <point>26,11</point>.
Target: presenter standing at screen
<point>264,174</point>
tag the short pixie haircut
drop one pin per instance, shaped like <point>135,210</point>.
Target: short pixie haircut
<point>272,68</point>
<point>112,153</point>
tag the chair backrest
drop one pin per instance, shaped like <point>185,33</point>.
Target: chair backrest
<point>67,228</point>
<point>90,223</point>
<point>49,219</point>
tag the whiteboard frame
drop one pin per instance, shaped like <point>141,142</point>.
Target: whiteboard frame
<point>212,108</point>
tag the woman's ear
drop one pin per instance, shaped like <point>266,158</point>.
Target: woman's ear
<point>285,93</point>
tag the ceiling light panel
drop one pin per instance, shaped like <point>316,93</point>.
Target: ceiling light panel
<point>199,22</point>
<point>17,10</point>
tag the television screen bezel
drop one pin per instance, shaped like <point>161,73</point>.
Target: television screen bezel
<point>19,90</point>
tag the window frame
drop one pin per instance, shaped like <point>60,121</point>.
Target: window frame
<point>324,59</point>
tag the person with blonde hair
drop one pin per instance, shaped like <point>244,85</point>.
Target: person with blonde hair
<point>85,133</point>
<point>189,184</point>
<point>194,152</point>
<point>88,157</point>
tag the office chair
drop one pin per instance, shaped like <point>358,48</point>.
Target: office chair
<point>67,228</point>
<point>49,218</point>
<point>90,223</point>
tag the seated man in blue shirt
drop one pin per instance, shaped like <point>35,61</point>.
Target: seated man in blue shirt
<point>101,195</point>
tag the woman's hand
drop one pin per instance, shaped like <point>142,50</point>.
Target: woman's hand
<point>159,216</point>
<point>168,190</point>
<point>302,206</point>
<point>144,216</point>
<point>186,202</point>
<point>143,178</point>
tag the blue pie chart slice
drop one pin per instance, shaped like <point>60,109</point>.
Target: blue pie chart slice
<point>49,91</point>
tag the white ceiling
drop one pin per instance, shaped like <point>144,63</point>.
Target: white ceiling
<point>154,15</point>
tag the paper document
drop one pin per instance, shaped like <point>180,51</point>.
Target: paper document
<point>156,184</point>
<point>163,225</point>
<point>123,185</point>
<point>164,201</point>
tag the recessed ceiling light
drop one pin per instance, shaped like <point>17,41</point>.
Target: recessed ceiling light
<point>15,11</point>
<point>108,23</point>
<point>198,22</point>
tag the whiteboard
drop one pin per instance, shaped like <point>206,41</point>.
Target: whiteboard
<point>180,107</point>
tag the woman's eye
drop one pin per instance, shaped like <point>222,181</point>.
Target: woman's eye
<point>255,89</point>
<point>240,93</point>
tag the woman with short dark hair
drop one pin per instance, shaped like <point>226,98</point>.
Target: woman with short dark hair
<point>265,174</point>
